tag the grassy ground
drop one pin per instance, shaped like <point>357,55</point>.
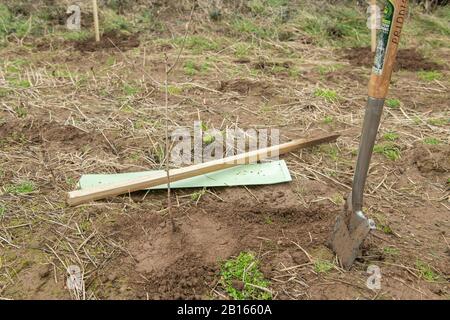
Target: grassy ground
<point>68,107</point>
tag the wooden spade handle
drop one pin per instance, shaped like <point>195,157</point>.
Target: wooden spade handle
<point>389,37</point>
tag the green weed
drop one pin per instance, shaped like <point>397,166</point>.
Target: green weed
<point>390,136</point>
<point>113,22</point>
<point>323,266</point>
<point>21,112</point>
<point>198,44</point>
<point>19,83</point>
<point>328,119</point>
<point>429,76</point>
<point>197,195</point>
<point>174,90</point>
<point>240,275</point>
<point>191,68</point>
<point>432,141</point>
<point>247,26</point>
<point>391,251</point>
<point>242,50</point>
<point>130,90</point>
<point>439,121</point>
<point>21,188</point>
<point>325,69</point>
<point>392,103</point>
<point>327,94</point>
<point>389,150</point>
<point>426,272</point>
<point>81,35</point>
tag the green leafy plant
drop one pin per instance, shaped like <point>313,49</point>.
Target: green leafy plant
<point>391,251</point>
<point>195,196</point>
<point>114,22</point>
<point>242,278</point>
<point>426,272</point>
<point>21,111</point>
<point>328,119</point>
<point>198,44</point>
<point>327,94</point>
<point>429,76</point>
<point>242,50</point>
<point>24,187</point>
<point>432,141</point>
<point>392,103</point>
<point>323,266</point>
<point>130,90</point>
<point>174,90</point>
<point>389,150</point>
<point>439,121</point>
<point>390,136</point>
<point>81,35</point>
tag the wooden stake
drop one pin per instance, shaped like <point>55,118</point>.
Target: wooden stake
<point>96,26</point>
<point>373,17</point>
<point>82,196</point>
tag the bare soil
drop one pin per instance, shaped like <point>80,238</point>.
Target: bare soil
<point>408,59</point>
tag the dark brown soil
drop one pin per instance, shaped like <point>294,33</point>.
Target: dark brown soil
<point>407,59</point>
<point>432,159</point>
<point>184,263</point>
<point>108,41</point>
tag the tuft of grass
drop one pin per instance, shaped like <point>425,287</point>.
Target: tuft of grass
<point>242,50</point>
<point>243,25</point>
<point>148,21</point>
<point>81,35</point>
<point>334,24</point>
<point>323,266</point>
<point>191,68</point>
<point>327,94</point>
<point>426,272</point>
<point>391,251</point>
<point>392,103</point>
<point>390,136</point>
<point>113,22</point>
<point>389,150</point>
<point>19,25</point>
<point>429,76</point>
<point>439,121</point>
<point>24,187</point>
<point>329,68</point>
<point>242,278</point>
<point>198,44</point>
<point>432,141</point>
<point>330,150</point>
<point>174,90</point>
<point>2,210</point>
<point>21,112</point>
<point>19,83</point>
<point>328,120</point>
<point>130,90</point>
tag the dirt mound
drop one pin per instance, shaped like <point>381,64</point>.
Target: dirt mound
<point>407,59</point>
<point>108,41</point>
<point>432,159</point>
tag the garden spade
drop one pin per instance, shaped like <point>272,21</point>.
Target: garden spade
<point>352,227</point>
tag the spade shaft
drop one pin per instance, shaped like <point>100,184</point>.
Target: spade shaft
<point>352,227</point>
